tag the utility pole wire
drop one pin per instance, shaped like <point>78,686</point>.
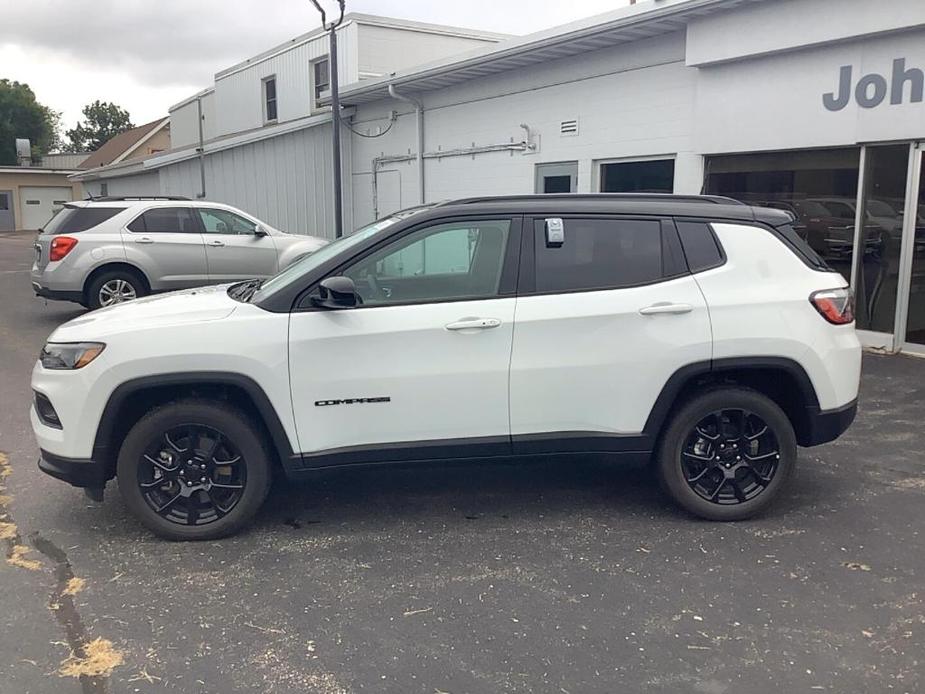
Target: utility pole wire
<point>324,16</point>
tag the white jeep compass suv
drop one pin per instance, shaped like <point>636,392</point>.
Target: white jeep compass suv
<point>696,332</point>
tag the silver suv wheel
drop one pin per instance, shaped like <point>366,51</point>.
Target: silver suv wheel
<point>115,291</point>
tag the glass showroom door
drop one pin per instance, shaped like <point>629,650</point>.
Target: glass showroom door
<point>913,315</point>
<point>879,221</point>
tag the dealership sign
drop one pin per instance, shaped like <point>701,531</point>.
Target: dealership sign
<point>873,89</point>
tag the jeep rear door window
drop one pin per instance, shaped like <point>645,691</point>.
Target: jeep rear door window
<point>71,220</point>
<point>599,254</point>
<point>165,220</point>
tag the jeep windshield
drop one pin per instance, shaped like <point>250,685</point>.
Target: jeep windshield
<point>255,290</point>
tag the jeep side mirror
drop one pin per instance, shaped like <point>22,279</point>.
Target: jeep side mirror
<point>336,293</point>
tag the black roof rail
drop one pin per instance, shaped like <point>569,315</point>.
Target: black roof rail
<point>121,198</point>
<point>624,197</point>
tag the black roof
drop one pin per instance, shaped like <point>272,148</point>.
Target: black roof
<point>649,204</point>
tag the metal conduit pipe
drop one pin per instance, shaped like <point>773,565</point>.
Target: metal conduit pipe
<point>419,110</point>
<point>527,146</point>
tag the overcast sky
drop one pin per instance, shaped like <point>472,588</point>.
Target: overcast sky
<point>146,55</point>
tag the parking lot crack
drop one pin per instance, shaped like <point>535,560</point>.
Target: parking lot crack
<point>90,661</point>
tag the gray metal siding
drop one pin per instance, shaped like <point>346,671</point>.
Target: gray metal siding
<point>139,184</point>
<point>286,180</point>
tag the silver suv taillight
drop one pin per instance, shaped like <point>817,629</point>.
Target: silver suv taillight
<point>835,305</point>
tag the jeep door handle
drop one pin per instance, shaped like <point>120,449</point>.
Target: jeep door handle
<point>474,324</point>
<point>665,307</point>
<point>144,239</point>
<point>216,243</point>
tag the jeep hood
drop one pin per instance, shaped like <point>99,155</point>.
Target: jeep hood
<point>176,308</point>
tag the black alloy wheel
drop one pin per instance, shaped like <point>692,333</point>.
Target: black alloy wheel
<point>730,457</point>
<point>726,453</point>
<point>194,469</point>
<point>192,475</point>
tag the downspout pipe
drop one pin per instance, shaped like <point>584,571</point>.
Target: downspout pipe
<point>202,152</point>
<point>419,111</point>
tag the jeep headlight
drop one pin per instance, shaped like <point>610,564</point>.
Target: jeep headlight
<point>70,355</point>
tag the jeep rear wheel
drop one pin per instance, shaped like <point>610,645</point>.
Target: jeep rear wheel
<point>727,454</point>
<point>194,470</point>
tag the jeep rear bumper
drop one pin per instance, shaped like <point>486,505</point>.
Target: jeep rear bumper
<point>827,425</point>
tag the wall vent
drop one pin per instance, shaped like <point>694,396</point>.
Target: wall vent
<point>568,127</point>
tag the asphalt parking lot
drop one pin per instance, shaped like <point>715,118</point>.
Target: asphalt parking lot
<point>530,577</point>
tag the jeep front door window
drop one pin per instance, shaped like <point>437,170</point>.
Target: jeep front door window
<point>447,262</point>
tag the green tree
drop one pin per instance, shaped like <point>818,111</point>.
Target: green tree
<point>21,116</point>
<point>103,121</point>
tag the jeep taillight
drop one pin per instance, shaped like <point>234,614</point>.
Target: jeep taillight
<point>61,246</point>
<point>835,305</point>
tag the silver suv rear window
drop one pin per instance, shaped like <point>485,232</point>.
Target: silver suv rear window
<point>71,220</point>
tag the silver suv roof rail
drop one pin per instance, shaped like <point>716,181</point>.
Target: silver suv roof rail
<point>121,198</point>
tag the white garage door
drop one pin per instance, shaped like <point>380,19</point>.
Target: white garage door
<point>39,203</point>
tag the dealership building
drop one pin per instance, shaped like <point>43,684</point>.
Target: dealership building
<point>813,106</point>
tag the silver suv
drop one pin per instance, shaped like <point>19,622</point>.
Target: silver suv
<point>109,250</point>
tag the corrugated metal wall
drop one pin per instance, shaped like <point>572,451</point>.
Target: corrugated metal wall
<point>184,125</point>
<point>140,184</point>
<point>286,180</point>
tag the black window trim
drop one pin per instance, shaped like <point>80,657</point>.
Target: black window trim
<point>507,287</point>
<point>527,279</point>
<point>196,220</point>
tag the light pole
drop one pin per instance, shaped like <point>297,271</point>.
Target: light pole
<point>335,113</point>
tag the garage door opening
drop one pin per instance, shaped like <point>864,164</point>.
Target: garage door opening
<point>40,203</point>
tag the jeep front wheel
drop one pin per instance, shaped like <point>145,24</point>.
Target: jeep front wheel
<point>194,470</point>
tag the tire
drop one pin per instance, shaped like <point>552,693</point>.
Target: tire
<point>689,461</point>
<point>113,279</point>
<point>235,489</point>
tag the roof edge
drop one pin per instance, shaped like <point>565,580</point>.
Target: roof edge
<point>190,99</point>
<point>624,17</point>
<point>369,20</point>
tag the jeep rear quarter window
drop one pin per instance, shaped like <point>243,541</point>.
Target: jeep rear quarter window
<point>700,246</point>
<point>599,254</point>
<point>71,220</point>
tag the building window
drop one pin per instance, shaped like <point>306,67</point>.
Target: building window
<point>321,79</point>
<point>269,99</point>
<point>654,176</point>
<point>104,189</point>
<point>557,178</point>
